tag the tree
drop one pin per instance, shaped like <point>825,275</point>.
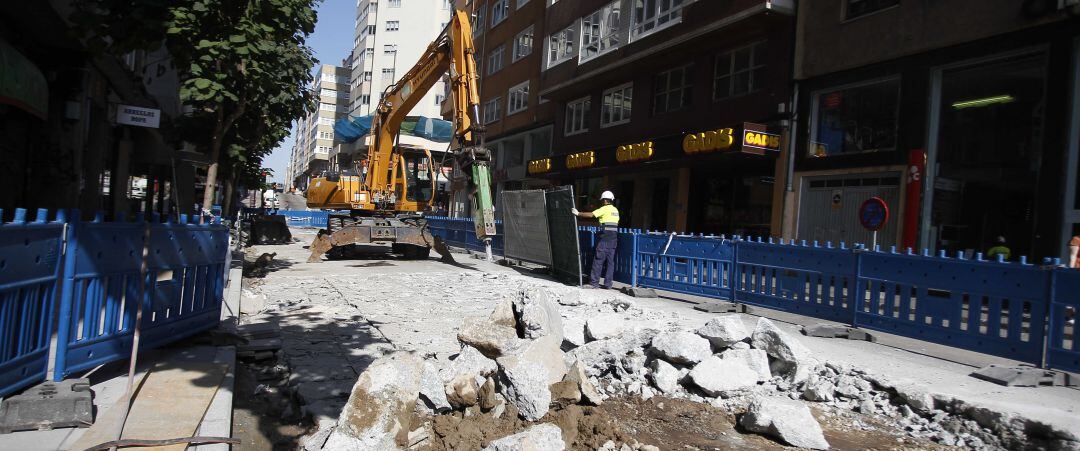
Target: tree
<point>241,63</point>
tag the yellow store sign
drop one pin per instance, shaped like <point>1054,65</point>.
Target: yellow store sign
<point>761,140</point>
<point>709,141</point>
<point>580,160</point>
<point>634,152</point>
<point>540,166</point>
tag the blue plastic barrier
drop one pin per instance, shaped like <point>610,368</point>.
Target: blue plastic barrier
<point>808,280</point>
<point>184,288</point>
<point>1062,349</point>
<point>30,266</point>
<point>1013,310</point>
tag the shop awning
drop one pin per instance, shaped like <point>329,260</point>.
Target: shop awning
<point>351,128</point>
<point>22,84</point>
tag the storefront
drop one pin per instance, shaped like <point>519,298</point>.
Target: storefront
<point>710,181</point>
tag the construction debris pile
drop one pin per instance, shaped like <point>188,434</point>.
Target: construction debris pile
<point>552,350</point>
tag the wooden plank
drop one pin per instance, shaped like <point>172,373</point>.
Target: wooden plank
<point>170,403</point>
<point>107,422</point>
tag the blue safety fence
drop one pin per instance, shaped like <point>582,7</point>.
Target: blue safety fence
<point>30,267</point>
<point>1010,309</point>
<point>294,218</point>
<point>80,281</point>
<point>459,232</point>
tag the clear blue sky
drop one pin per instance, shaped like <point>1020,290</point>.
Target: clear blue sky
<point>331,42</point>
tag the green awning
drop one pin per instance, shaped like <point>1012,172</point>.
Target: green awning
<point>22,84</point>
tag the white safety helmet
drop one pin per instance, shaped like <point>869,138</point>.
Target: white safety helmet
<point>608,195</point>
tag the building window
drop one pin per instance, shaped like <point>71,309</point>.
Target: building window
<point>523,43</point>
<point>499,10</point>
<point>478,21</point>
<point>327,107</point>
<point>327,92</point>
<point>394,3</point>
<point>521,3</point>
<point>495,59</point>
<point>392,25</point>
<point>600,31</point>
<point>367,75</point>
<point>672,90</point>
<point>491,110</point>
<point>388,75</point>
<point>446,4</point>
<point>517,99</point>
<point>365,99</point>
<point>389,49</point>
<point>654,15</point>
<point>859,8</point>
<point>577,116</point>
<point>326,135</point>
<point>740,71</point>
<point>561,46</point>
<point>326,121</point>
<point>616,106</point>
<point>439,99</point>
<point>855,119</point>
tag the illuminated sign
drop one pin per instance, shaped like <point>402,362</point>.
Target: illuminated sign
<point>540,166</point>
<point>708,141</point>
<point>634,152</point>
<point>580,160</point>
<point>760,140</point>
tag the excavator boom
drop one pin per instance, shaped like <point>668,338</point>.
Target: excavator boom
<point>389,189</point>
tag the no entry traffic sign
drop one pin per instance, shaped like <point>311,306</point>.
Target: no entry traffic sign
<point>873,214</point>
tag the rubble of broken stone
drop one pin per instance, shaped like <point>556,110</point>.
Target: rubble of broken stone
<point>528,355</point>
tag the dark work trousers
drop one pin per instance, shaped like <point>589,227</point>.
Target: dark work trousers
<point>604,260</point>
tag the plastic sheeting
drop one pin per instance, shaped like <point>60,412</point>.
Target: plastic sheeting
<point>351,128</point>
<point>526,226</point>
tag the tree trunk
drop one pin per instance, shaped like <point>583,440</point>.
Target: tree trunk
<point>211,174</point>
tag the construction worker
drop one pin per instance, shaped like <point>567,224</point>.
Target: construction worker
<point>604,259</point>
<point>999,249</point>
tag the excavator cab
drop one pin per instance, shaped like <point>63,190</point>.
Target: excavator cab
<point>419,179</point>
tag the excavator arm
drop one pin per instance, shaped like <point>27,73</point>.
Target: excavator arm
<point>380,190</point>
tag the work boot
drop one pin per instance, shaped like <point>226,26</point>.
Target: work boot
<point>590,286</point>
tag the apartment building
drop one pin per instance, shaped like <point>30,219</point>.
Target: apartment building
<point>315,132</point>
<point>962,115</point>
<point>508,35</point>
<point>679,107</point>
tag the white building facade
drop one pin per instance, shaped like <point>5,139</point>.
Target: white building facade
<point>314,133</point>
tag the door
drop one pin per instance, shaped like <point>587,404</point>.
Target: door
<point>829,208</point>
<point>660,199</point>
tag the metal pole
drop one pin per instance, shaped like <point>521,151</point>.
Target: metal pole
<point>138,322</point>
<point>487,249</point>
<point>873,243</point>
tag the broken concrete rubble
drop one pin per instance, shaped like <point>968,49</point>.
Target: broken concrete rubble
<point>665,377</point>
<point>542,437</point>
<point>462,392</point>
<point>491,339</point>
<point>601,356</point>
<point>432,388</point>
<point>588,390</point>
<point>565,393</point>
<point>536,314</point>
<point>717,376</point>
<point>544,351</point>
<point>488,395</point>
<point>612,325</point>
<point>469,362</point>
<point>754,359</point>
<point>681,347</point>
<point>724,331</point>
<point>786,419</point>
<point>378,413</point>
<point>777,344</point>
<point>525,385</point>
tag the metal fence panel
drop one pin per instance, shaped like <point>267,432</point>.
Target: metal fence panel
<point>684,264</point>
<point>565,246</point>
<point>1062,351</point>
<point>526,226</point>
<point>30,266</point>
<point>808,280</point>
<point>995,308</point>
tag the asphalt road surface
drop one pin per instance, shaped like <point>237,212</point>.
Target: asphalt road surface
<point>292,202</point>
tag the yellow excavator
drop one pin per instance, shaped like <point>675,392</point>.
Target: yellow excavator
<point>386,198</point>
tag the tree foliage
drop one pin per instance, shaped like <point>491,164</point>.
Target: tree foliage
<point>244,67</point>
